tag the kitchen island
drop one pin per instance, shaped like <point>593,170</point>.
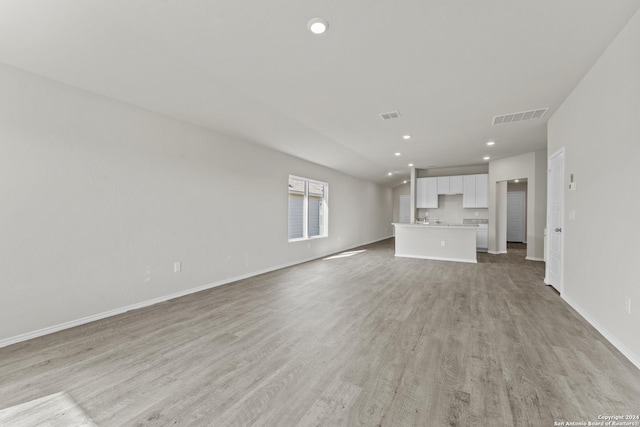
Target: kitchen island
<point>444,242</point>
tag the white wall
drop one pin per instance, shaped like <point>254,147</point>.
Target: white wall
<point>99,199</point>
<point>599,126</point>
<point>533,167</point>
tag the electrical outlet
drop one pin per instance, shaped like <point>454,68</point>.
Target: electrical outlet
<point>628,304</point>
<point>177,267</point>
<point>442,243</point>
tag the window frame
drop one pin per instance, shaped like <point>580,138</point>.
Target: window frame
<point>324,225</point>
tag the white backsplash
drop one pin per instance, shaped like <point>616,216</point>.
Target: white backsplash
<point>450,210</point>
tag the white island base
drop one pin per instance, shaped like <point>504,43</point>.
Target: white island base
<point>438,242</point>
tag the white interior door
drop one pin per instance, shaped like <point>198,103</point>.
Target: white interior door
<point>405,209</point>
<point>555,220</point>
<point>516,216</point>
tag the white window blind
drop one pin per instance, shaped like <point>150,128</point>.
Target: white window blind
<point>308,208</point>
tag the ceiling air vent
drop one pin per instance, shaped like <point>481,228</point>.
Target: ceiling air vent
<point>518,117</point>
<point>390,115</point>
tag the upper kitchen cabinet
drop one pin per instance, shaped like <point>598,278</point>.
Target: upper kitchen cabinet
<point>469,191</point>
<point>443,185</point>
<point>427,193</point>
<point>475,191</point>
<point>456,185</point>
<point>450,184</point>
<point>482,191</point>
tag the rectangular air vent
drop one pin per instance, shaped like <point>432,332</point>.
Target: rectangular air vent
<point>518,117</point>
<point>390,115</point>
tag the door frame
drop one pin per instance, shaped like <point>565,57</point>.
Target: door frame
<point>561,151</point>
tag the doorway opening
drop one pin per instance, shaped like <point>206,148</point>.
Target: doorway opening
<point>517,217</point>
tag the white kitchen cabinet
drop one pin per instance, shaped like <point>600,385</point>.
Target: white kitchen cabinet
<point>427,192</point>
<point>475,192</point>
<point>482,191</point>
<point>443,185</point>
<point>469,191</point>
<point>450,184</point>
<point>432,192</point>
<point>455,184</point>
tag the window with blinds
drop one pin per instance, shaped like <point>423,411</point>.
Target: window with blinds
<point>308,208</point>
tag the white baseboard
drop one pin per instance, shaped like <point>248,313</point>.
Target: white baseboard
<point>533,258</point>
<point>471,261</point>
<point>496,252</point>
<point>77,322</point>
<point>633,358</point>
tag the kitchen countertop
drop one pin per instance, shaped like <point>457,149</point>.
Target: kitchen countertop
<point>437,225</point>
<point>475,221</point>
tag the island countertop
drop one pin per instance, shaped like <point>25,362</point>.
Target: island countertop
<point>436,225</point>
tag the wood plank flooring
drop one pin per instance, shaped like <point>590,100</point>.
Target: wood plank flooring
<point>367,339</point>
<point>57,410</point>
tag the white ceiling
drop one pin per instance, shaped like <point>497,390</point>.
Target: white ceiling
<point>251,69</point>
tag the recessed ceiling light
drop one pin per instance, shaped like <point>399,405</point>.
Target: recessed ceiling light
<point>486,158</point>
<point>406,136</point>
<point>517,180</point>
<point>317,25</point>
<point>410,165</point>
<point>491,143</point>
<point>398,154</point>
<point>404,182</point>
<point>390,173</point>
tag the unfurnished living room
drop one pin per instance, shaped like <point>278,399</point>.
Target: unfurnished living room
<point>319,213</point>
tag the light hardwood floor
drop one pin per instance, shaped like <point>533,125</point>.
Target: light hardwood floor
<point>367,339</point>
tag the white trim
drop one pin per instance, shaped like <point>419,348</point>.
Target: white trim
<point>493,252</point>
<point>633,358</point>
<point>438,258</point>
<point>77,322</point>
<point>533,258</point>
